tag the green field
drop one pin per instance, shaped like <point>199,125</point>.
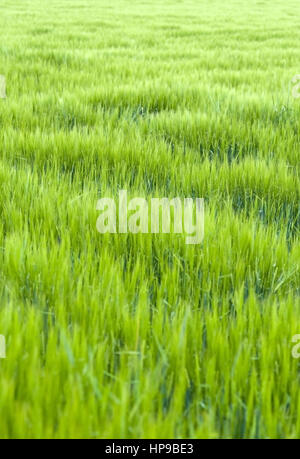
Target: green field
<point>136,335</point>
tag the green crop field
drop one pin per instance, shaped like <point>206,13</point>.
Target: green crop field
<point>141,335</point>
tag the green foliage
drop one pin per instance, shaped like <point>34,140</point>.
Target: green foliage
<point>141,335</point>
